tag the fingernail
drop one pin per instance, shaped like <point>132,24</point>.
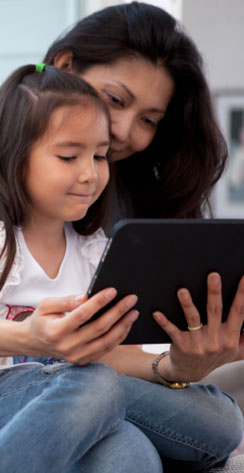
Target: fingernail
<point>110,293</point>
<point>131,301</point>
<point>79,298</point>
<point>184,295</point>
<point>157,316</point>
<point>133,315</point>
<point>214,278</point>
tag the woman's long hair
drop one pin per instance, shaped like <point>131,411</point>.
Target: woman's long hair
<point>27,100</point>
<point>175,175</point>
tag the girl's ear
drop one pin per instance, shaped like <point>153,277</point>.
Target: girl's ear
<point>64,60</point>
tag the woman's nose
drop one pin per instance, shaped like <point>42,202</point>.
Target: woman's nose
<point>121,129</point>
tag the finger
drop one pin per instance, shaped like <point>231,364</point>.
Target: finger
<point>191,313</point>
<point>116,335</point>
<point>214,301</point>
<point>236,314</point>
<point>60,305</point>
<point>84,313</point>
<point>83,352</point>
<point>172,331</point>
<point>104,323</point>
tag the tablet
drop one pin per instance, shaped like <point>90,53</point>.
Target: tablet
<point>154,258</point>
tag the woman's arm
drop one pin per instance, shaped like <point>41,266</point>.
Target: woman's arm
<point>192,354</point>
<point>130,360</point>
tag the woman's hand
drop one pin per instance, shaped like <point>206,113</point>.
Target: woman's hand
<point>56,327</point>
<point>194,354</point>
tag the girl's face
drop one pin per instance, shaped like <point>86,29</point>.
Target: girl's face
<point>67,168</point>
<point>137,94</point>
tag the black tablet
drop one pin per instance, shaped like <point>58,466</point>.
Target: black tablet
<point>154,258</point>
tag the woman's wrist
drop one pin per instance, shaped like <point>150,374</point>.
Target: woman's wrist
<point>160,379</point>
<point>168,371</point>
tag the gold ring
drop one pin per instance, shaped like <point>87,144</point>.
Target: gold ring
<point>192,329</point>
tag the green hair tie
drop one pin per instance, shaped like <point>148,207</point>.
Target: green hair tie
<point>40,67</point>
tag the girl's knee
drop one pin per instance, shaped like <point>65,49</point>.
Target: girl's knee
<point>95,388</point>
<point>105,386</point>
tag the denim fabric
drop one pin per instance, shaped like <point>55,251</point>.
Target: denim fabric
<point>61,418</point>
<point>64,418</point>
<point>193,429</point>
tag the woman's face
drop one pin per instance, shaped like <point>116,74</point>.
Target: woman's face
<point>137,94</point>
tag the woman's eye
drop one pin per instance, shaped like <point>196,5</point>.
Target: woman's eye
<point>116,100</point>
<point>150,122</point>
<point>67,158</point>
<point>99,157</point>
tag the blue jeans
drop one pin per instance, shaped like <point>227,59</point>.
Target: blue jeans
<point>193,429</point>
<point>64,418</point>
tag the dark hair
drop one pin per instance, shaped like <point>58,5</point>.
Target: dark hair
<point>27,101</point>
<point>175,175</point>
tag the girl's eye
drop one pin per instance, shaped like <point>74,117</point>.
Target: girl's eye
<point>67,158</point>
<point>116,100</point>
<point>100,157</point>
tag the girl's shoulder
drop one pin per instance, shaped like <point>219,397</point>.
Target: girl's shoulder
<point>17,265</point>
<point>92,246</point>
<point>2,235</point>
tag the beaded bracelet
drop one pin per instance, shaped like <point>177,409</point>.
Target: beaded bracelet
<point>161,380</point>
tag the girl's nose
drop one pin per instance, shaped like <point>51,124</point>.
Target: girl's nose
<point>88,170</point>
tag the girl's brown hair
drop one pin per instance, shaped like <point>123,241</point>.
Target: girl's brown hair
<point>27,101</point>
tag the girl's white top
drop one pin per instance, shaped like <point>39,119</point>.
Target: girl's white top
<point>27,283</point>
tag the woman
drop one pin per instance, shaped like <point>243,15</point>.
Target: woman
<point>180,152</point>
<point>167,153</point>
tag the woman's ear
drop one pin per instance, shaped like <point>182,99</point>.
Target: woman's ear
<point>64,60</point>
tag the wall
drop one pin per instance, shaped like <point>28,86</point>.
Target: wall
<point>217,26</point>
<point>28,27</point>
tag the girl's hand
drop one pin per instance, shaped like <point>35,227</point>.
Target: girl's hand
<point>194,354</point>
<point>55,327</point>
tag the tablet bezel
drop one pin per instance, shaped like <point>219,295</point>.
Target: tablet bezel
<point>128,250</point>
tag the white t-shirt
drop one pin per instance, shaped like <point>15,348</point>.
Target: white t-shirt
<point>27,283</point>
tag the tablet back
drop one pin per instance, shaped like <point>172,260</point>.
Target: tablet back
<point>154,258</point>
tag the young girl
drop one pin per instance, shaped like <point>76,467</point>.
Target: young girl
<point>54,137</point>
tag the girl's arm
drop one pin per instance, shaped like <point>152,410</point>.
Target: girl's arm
<point>55,329</point>
<point>12,338</point>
